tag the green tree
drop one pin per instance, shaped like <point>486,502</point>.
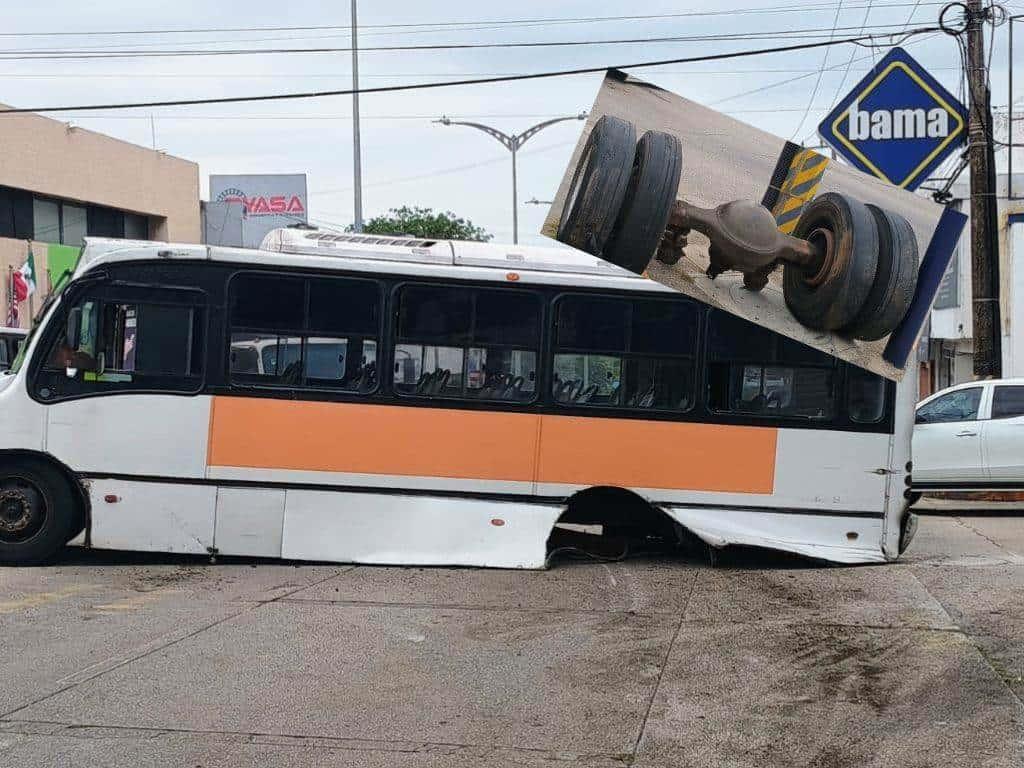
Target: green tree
<point>424,222</point>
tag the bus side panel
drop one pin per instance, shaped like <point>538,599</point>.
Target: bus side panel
<point>132,449</point>
<point>415,530</point>
<point>152,517</point>
<point>832,470</point>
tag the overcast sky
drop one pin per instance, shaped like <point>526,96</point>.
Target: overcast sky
<point>407,160</point>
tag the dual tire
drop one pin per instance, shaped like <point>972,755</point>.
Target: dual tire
<point>622,192</point>
<point>864,283</point>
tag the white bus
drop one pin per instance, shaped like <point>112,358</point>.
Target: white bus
<point>352,398</point>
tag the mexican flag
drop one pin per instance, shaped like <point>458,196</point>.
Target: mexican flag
<point>25,279</point>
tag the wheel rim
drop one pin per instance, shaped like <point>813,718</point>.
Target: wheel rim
<point>22,510</point>
<point>824,242</point>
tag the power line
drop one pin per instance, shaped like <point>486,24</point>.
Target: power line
<point>442,25</point>
<point>21,54</point>
<point>865,39</point>
<point>821,71</point>
<point>305,76</point>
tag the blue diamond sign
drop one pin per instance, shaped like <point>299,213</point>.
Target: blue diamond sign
<point>898,123</point>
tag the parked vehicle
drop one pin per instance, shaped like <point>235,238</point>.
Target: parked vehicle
<point>10,342</point>
<point>372,399</point>
<point>971,438</point>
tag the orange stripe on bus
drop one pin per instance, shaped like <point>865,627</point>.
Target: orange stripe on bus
<point>372,439</point>
<point>261,433</point>
<point>657,454</point>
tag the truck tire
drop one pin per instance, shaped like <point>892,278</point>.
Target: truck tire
<point>598,185</point>
<point>893,288</point>
<point>648,201</point>
<point>829,297</point>
<point>37,512</point>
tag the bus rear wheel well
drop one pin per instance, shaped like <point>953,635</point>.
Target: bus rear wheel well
<point>82,510</point>
<point>620,513</point>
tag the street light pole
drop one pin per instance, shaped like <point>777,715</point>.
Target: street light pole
<point>357,160</point>
<point>512,142</point>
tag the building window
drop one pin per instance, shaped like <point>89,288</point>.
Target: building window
<point>756,372</point>
<point>625,353</point>
<point>73,225</point>
<point>15,213</point>
<point>46,221</point>
<point>304,332</point>
<point>136,227</point>
<point>471,343</point>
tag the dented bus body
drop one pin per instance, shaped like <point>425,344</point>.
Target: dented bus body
<point>463,396</point>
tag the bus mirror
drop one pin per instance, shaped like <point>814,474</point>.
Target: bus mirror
<point>74,329</point>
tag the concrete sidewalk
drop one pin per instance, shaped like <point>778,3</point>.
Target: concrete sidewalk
<point>128,660</point>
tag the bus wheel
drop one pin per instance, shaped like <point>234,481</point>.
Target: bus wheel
<point>828,295</point>
<point>893,288</point>
<point>648,202</point>
<point>36,513</point>
<point>598,185</point>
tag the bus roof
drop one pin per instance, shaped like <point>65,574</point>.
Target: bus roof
<point>320,249</point>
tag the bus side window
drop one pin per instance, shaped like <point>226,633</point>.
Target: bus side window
<point>625,353</point>
<point>304,333</point>
<point>865,400</point>
<point>468,343</point>
<point>756,372</point>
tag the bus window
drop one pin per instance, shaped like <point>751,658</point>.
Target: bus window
<point>124,345</point>
<point>754,371</point>
<point>628,353</point>
<point>461,342</point>
<point>865,395</point>
<point>326,336</point>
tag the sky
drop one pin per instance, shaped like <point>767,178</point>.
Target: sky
<point>406,158</point>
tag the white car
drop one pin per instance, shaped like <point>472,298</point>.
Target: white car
<point>971,437</point>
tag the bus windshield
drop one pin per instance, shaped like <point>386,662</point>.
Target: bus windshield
<point>58,288</point>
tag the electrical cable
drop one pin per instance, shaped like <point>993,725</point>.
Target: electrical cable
<point>454,83</point>
<point>821,71</point>
<point>442,25</point>
<point>22,54</point>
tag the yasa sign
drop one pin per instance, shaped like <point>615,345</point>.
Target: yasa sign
<point>898,123</point>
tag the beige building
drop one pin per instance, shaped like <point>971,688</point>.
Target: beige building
<point>60,183</point>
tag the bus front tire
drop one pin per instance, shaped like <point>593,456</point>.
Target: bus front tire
<point>652,191</point>
<point>598,185</point>
<point>37,512</point>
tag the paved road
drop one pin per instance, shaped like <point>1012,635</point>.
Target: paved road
<point>130,660</point>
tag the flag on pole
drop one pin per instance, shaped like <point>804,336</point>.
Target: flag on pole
<point>25,278</point>
<point>12,301</point>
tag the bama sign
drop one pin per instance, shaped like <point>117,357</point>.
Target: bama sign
<point>266,202</point>
<point>898,123</point>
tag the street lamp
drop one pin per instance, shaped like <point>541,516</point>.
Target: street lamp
<point>512,143</point>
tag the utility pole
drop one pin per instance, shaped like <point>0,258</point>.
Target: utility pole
<point>988,351</point>
<point>357,161</point>
<point>512,142</point>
